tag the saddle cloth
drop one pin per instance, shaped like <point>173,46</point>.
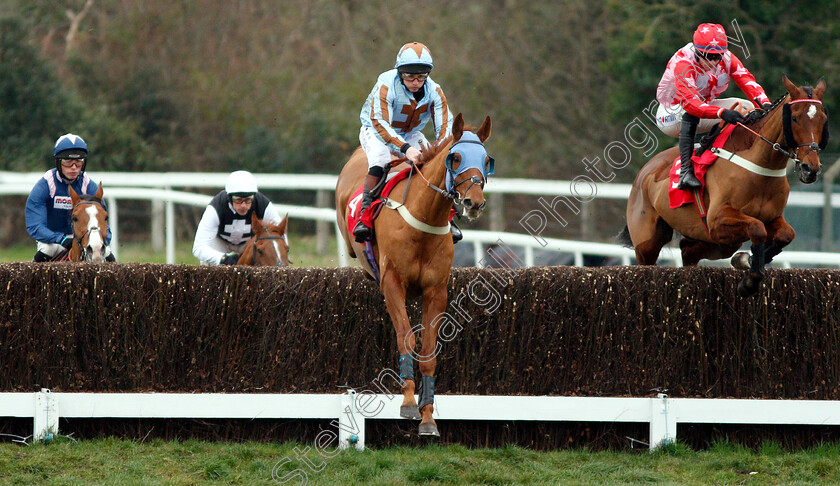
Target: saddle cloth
<point>354,206</point>
<point>679,197</point>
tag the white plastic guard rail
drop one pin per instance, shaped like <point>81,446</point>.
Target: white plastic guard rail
<point>350,410</point>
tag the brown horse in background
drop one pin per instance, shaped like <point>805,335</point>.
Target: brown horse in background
<point>268,247</point>
<point>743,203</point>
<point>412,262</point>
<point>90,227</point>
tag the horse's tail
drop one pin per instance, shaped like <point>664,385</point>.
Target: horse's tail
<point>623,238</point>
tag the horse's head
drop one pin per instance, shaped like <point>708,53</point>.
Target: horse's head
<point>805,127</point>
<point>468,167</point>
<point>268,247</point>
<point>90,227</point>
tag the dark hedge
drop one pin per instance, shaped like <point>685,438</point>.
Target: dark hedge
<point>619,331</point>
<point>616,331</point>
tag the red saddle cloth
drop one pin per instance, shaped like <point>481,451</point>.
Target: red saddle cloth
<point>678,197</point>
<point>355,204</point>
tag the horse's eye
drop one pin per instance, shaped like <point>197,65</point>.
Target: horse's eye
<point>75,218</point>
<point>793,117</point>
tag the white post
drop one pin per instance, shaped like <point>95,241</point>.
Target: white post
<point>45,419</point>
<point>478,253</point>
<point>158,225</point>
<point>170,230</point>
<point>113,225</point>
<point>663,429</point>
<point>351,428</point>
<point>342,247</point>
<point>322,228</point>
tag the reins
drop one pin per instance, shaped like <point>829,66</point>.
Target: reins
<point>789,141</point>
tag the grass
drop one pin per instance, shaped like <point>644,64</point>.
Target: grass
<point>113,461</point>
<point>302,253</point>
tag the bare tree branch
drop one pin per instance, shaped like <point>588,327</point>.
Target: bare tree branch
<point>75,21</point>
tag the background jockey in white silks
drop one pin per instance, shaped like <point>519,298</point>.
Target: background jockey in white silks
<point>695,76</point>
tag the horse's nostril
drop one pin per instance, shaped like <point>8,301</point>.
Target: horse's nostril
<point>481,206</point>
<point>468,203</point>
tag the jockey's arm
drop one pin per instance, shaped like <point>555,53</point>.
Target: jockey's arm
<point>205,234</point>
<point>746,81</point>
<point>36,215</point>
<point>442,116</point>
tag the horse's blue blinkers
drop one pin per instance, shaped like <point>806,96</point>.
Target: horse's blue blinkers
<point>473,156</point>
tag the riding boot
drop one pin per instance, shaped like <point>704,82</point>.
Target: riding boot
<point>457,235</point>
<point>361,232</point>
<point>688,128</point>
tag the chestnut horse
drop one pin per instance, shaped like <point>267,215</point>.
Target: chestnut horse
<point>413,262</point>
<point>744,194</point>
<point>90,227</point>
<point>268,247</point>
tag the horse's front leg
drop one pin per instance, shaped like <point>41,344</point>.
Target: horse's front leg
<point>730,226</point>
<point>394,291</point>
<point>434,306</point>
<point>780,234</point>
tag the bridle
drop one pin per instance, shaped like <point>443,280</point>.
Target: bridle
<point>256,259</point>
<point>452,190</point>
<point>791,148</point>
<point>89,230</point>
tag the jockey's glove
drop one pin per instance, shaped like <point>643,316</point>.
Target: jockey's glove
<point>67,242</point>
<point>230,258</point>
<point>766,106</point>
<point>732,116</point>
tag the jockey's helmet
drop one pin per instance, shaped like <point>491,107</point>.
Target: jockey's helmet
<point>710,39</point>
<point>241,184</point>
<point>70,146</point>
<point>414,58</point>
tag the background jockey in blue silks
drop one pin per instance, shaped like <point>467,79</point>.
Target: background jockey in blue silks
<point>48,206</point>
<point>399,106</point>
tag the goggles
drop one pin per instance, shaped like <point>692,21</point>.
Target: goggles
<point>414,77</point>
<point>67,163</point>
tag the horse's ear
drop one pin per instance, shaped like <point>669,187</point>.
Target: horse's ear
<point>256,224</point>
<point>73,196</point>
<point>820,89</point>
<point>457,127</point>
<point>281,228</point>
<point>484,132</point>
<point>790,87</point>
<point>99,191</point>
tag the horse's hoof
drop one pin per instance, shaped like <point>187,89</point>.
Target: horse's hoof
<point>429,430</point>
<point>741,260</point>
<point>410,412</point>
<point>749,285</point>
<point>744,290</point>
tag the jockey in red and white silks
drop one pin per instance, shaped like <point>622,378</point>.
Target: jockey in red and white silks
<point>695,76</point>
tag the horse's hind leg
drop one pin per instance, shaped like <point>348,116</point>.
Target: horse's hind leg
<point>652,236</point>
<point>394,291</point>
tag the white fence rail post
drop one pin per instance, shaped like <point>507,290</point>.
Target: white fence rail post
<point>45,418</point>
<point>351,423</point>
<point>663,425</point>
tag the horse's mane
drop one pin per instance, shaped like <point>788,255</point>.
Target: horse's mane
<point>428,152</point>
<point>763,113</point>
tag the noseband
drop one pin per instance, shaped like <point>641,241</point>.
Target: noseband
<point>256,260</point>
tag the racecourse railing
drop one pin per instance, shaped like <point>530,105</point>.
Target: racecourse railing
<point>158,187</point>
<point>351,409</point>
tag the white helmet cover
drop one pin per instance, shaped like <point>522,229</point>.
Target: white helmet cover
<point>241,182</point>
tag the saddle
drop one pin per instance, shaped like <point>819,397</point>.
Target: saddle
<point>381,191</point>
<point>702,159</point>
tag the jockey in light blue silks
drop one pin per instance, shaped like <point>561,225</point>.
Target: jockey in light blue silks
<point>48,206</point>
<point>399,106</point>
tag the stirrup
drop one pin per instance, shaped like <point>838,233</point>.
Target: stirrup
<point>361,233</point>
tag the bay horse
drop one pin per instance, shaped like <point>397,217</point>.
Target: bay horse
<point>268,247</point>
<point>411,261</point>
<point>744,194</point>
<point>90,227</point>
